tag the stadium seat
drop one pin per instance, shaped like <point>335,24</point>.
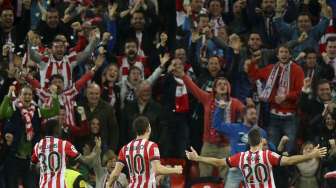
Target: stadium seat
<point>177,181</point>
<point>173,161</point>
<point>208,185</point>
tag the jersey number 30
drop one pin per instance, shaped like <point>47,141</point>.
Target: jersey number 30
<point>52,162</point>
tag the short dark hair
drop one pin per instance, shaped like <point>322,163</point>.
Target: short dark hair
<point>134,68</point>
<point>140,125</point>
<point>56,76</point>
<point>131,40</point>
<point>316,84</point>
<point>304,13</point>
<point>57,39</point>
<point>330,39</point>
<point>203,15</point>
<point>309,51</point>
<point>51,127</point>
<point>52,9</point>
<point>7,7</point>
<point>283,46</point>
<point>254,137</point>
<point>139,12</point>
<point>220,2</point>
<point>254,33</point>
<point>247,108</point>
<point>321,82</point>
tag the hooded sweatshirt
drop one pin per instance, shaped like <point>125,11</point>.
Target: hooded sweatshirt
<point>210,135</point>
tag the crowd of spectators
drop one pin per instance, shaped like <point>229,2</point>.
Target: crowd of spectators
<point>96,65</point>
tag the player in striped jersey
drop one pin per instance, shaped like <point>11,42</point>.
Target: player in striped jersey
<point>256,164</point>
<point>142,158</point>
<point>51,153</point>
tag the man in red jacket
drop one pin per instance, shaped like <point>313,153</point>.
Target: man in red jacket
<point>283,84</point>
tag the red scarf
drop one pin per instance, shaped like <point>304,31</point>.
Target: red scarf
<point>111,95</point>
<point>283,88</point>
<point>181,96</point>
<point>27,116</point>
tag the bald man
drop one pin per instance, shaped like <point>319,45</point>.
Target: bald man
<point>95,107</point>
<point>143,105</point>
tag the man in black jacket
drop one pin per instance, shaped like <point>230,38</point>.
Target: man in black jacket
<point>144,105</point>
<point>53,26</point>
<point>10,34</point>
<point>95,107</point>
<point>315,101</point>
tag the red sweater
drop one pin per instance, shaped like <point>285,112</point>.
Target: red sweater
<point>207,99</point>
<point>295,86</point>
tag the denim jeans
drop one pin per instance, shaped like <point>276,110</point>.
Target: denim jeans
<point>234,178</point>
<point>280,126</point>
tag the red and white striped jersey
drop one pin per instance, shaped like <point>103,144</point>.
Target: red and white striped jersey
<point>137,156</point>
<point>125,65</point>
<point>50,66</point>
<point>329,32</point>
<point>256,167</point>
<point>51,154</point>
<point>66,99</point>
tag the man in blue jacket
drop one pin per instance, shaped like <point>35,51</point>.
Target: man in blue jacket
<point>237,134</point>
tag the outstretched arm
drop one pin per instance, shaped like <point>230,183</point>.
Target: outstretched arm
<point>115,174</point>
<point>89,48</point>
<point>88,159</point>
<point>316,153</point>
<point>32,50</point>
<point>158,71</point>
<point>163,170</point>
<point>193,156</point>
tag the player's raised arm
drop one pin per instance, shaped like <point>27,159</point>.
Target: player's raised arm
<point>193,156</point>
<point>94,153</point>
<point>160,169</point>
<point>115,174</point>
<point>316,153</point>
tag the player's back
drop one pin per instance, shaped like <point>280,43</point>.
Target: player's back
<point>137,156</point>
<point>51,154</point>
<point>256,167</point>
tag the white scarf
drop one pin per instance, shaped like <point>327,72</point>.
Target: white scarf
<point>27,116</point>
<point>181,96</point>
<point>227,112</point>
<point>284,81</point>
